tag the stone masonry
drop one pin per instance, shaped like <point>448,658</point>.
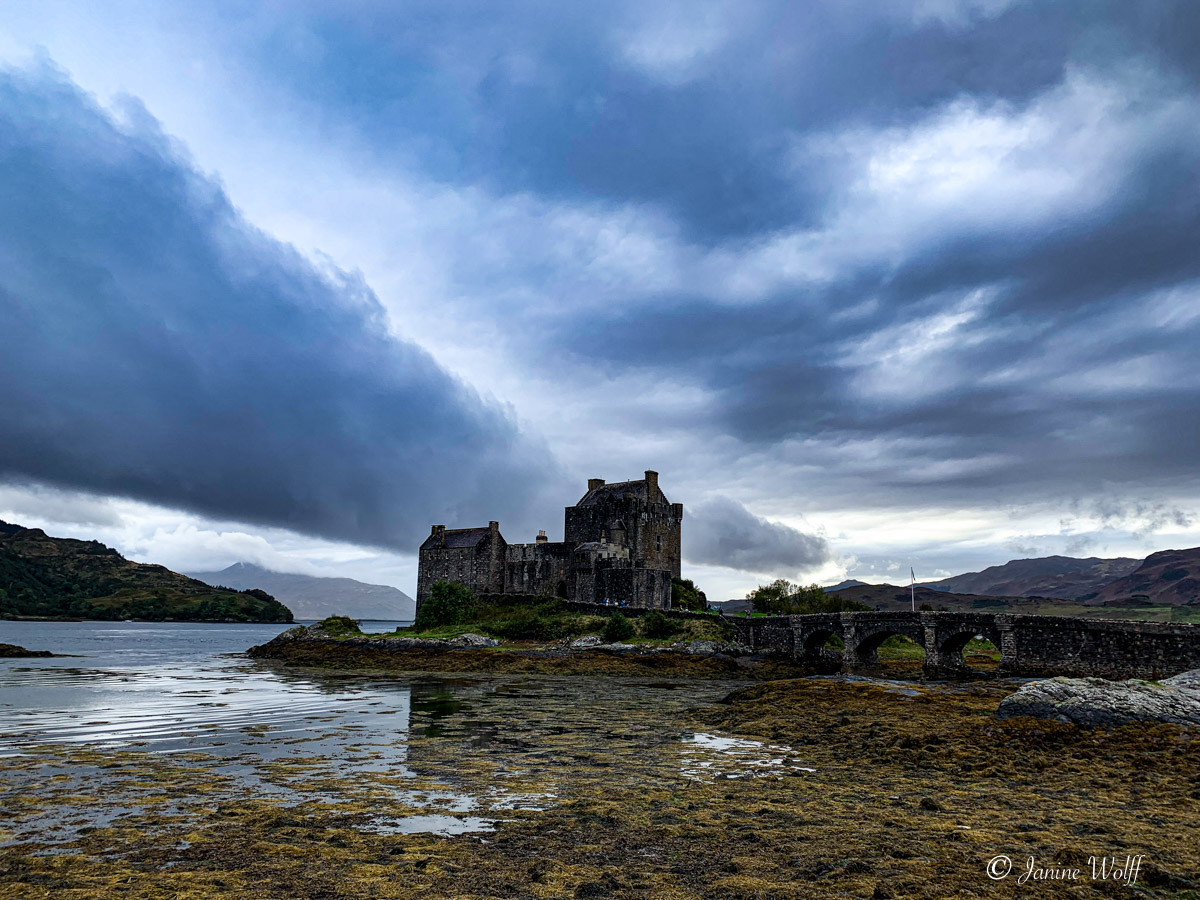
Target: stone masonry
<point>1029,645</point>
<point>621,546</point>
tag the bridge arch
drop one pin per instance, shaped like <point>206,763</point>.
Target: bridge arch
<point>952,639</point>
<point>814,640</point>
<point>864,653</point>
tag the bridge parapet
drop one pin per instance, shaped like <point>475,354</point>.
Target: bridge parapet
<point>1028,644</point>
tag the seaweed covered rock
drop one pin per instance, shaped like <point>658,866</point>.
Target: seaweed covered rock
<point>12,651</point>
<point>1094,702</point>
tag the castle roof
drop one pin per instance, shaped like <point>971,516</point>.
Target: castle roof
<point>616,491</point>
<point>457,537</point>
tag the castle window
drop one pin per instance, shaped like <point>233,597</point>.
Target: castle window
<point>658,542</point>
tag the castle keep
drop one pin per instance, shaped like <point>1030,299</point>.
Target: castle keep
<point>621,546</point>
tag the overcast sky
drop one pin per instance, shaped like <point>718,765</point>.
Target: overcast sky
<point>870,284</point>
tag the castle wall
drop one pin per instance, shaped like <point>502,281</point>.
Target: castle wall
<point>479,568</point>
<point>446,564</point>
<point>658,537</point>
<point>618,580</point>
<point>542,569</point>
<point>635,587</point>
<point>493,552</point>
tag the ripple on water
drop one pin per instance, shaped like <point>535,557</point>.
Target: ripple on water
<point>171,710</point>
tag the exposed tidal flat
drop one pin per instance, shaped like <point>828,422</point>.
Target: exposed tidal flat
<point>169,765</point>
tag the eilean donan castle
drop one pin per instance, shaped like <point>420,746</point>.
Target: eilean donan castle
<point>621,546</point>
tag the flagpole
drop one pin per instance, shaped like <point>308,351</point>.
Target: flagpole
<point>913,587</point>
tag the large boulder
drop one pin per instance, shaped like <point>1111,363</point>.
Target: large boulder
<point>1187,680</point>
<point>474,640</point>
<point>1094,702</point>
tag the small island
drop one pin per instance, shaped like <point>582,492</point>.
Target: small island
<point>458,631</point>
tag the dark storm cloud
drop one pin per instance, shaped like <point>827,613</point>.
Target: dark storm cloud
<point>1075,372</point>
<point>886,256</point>
<point>156,345</point>
<point>1067,377</point>
<point>691,106</point>
<point>722,532</point>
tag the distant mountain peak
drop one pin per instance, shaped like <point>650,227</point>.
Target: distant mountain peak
<point>848,583</point>
<point>242,567</point>
<point>315,597</point>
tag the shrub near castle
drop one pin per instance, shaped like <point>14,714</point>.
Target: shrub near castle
<point>448,604</point>
<point>617,629</point>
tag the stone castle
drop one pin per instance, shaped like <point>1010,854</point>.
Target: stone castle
<point>621,546</point>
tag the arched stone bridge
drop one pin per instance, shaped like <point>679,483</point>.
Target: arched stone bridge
<point>1028,644</point>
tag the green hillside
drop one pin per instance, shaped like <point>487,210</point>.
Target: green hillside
<point>46,577</point>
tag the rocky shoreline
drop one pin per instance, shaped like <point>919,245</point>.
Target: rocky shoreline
<point>313,646</point>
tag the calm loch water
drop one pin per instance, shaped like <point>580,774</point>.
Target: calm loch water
<point>439,754</point>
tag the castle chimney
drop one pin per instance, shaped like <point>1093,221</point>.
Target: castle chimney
<point>494,527</point>
<point>594,483</point>
<point>439,532</point>
<point>541,538</point>
<point>651,482</point>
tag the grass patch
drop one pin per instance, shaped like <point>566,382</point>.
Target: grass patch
<point>900,647</point>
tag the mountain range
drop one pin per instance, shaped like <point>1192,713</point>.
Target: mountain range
<point>1059,585</point>
<point>1062,577</point>
<point>900,597</point>
<point>311,597</point>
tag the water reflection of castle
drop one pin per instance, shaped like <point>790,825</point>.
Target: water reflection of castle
<point>621,545</point>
